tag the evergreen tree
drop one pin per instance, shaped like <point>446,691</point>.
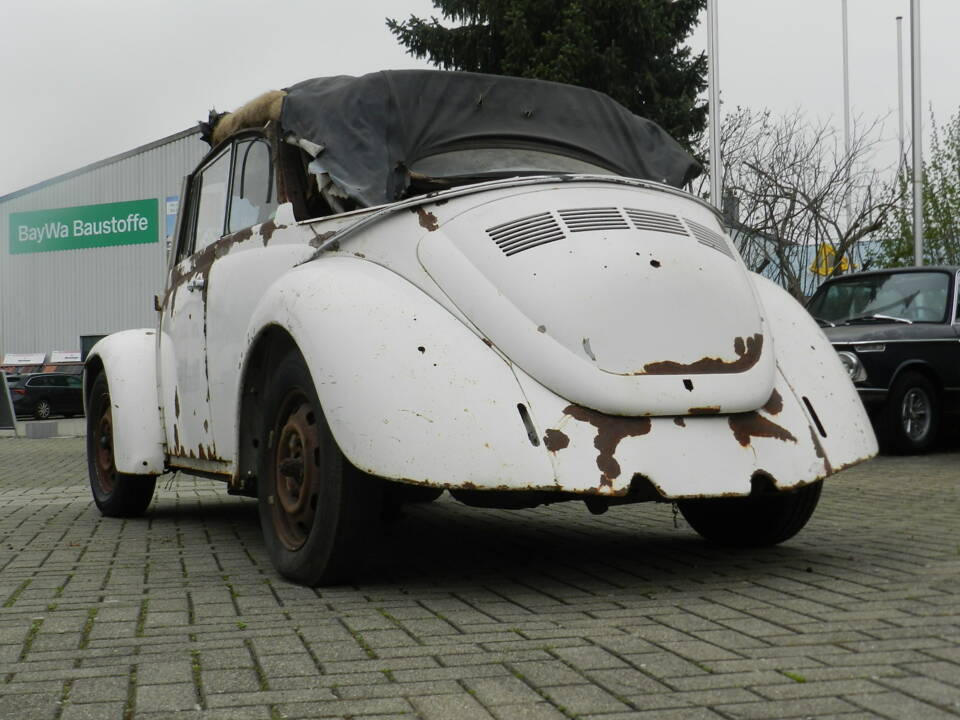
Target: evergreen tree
<point>629,49</point>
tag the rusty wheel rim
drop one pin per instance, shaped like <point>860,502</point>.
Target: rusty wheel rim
<point>104,450</point>
<point>296,472</point>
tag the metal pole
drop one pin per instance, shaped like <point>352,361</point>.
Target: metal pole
<point>917,133</point>
<point>713,105</point>
<point>846,114</point>
<point>901,160</point>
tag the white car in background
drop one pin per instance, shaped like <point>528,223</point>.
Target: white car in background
<point>387,286</point>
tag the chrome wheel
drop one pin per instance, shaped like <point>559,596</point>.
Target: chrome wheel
<point>916,414</point>
<point>42,410</point>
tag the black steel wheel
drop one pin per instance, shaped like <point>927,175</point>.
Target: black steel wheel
<point>755,521</point>
<point>318,513</point>
<point>42,410</point>
<point>911,416</point>
<point>115,494</point>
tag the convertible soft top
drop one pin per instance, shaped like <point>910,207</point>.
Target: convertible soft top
<point>373,128</point>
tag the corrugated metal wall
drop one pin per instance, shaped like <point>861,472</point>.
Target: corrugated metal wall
<point>49,299</point>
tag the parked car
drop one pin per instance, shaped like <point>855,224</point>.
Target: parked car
<point>387,286</point>
<point>898,334</point>
<point>43,395</point>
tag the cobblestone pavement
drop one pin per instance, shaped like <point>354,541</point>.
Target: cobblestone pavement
<point>467,614</point>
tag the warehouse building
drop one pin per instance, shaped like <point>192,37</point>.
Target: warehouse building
<point>82,254</point>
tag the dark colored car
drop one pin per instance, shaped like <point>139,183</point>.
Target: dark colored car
<point>44,394</point>
<point>898,334</point>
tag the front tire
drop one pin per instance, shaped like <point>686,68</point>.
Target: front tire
<point>754,521</point>
<point>911,416</point>
<point>318,513</point>
<point>115,494</point>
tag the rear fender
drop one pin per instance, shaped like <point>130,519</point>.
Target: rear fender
<point>408,390</point>
<point>128,359</point>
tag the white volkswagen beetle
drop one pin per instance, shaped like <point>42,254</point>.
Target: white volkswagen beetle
<point>386,286</point>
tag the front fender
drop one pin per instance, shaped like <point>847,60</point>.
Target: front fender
<point>128,359</point>
<point>408,390</point>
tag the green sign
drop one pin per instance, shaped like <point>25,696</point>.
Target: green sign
<point>87,226</point>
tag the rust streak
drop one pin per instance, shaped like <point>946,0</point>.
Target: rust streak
<point>176,403</point>
<point>555,440</point>
<point>611,429</point>
<point>748,354</point>
<point>679,421</point>
<point>320,238</point>
<point>775,404</point>
<point>752,424</point>
<point>709,410</point>
<point>268,229</point>
<point>428,221</point>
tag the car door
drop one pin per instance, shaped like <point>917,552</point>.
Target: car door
<point>183,348</point>
<point>73,402</point>
<point>229,193</point>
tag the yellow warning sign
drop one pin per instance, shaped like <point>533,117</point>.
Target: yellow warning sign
<point>824,262</point>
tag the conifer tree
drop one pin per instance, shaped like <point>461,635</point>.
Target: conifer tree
<point>630,49</point>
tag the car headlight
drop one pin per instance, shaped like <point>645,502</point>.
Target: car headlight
<point>853,366</point>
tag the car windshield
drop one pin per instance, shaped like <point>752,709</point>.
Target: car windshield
<point>890,297</point>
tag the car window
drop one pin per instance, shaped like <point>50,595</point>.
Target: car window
<point>73,381</point>
<point>210,189</point>
<point>58,381</point>
<point>252,196</point>
<point>913,296</point>
<point>38,382</point>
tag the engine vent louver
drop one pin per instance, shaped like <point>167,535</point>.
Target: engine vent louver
<point>587,219</point>
<point>528,232</point>
<point>655,221</point>
<point>708,237</point>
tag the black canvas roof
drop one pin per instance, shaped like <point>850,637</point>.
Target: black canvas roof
<point>373,128</point>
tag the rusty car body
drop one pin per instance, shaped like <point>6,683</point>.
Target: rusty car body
<point>387,286</point>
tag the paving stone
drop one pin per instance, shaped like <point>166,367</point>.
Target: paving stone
<point>444,707</point>
<point>158,698</point>
<point>624,616</point>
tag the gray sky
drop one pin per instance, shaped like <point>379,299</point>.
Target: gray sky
<point>86,79</point>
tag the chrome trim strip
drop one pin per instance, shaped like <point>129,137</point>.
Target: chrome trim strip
<point>888,342</point>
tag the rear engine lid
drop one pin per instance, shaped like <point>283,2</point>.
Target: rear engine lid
<point>626,300</point>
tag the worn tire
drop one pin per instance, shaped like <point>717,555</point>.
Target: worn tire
<point>754,521</point>
<point>911,416</point>
<point>318,513</point>
<point>115,494</point>
<point>42,410</point>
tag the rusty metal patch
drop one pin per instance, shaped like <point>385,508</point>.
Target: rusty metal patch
<point>611,429</point>
<point>428,221</point>
<point>555,440</point>
<point>752,424</point>
<point>320,238</point>
<point>267,230</point>
<point>708,410</point>
<point>774,406</point>
<point>748,353</point>
<point>679,422</point>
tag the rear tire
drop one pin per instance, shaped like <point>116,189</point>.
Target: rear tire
<point>911,416</point>
<point>754,521</point>
<point>318,513</point>
<point>115,494</point>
